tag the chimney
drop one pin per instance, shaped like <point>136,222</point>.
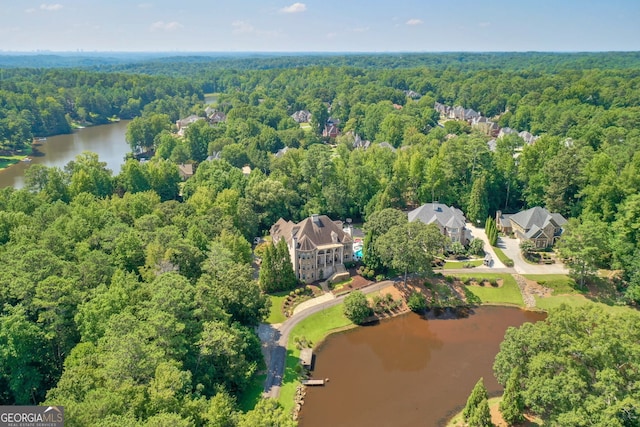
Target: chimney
<point>316,219</point>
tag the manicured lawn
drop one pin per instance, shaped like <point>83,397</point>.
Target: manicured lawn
<point>453,265</point>
<point>275,313</point>
<point>6,161</point>
<point>305,127</point>
<point>248,399</point>
<point>548,303</point>
<point>560,283</point>
<point>508,293</point>
<point>314,328</point>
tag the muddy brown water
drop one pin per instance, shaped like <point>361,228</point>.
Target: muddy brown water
<point>407,371</point>
<point>106,140</point>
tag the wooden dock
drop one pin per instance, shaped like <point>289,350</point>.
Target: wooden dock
<point>312,382</point>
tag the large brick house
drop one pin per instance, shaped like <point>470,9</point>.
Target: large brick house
<point>450,220</point>
<point>318,246</point>
<point>538,225</point>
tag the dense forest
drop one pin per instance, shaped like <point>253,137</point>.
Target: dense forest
<point>130,299</point>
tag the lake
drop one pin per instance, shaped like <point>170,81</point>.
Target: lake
<point>407,371</point>
<point>106,140</point>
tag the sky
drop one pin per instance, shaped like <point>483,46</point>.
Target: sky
<point>319,25</point>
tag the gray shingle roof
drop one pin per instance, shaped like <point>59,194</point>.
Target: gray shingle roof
<point>537,216</point>
<point>439,213</point>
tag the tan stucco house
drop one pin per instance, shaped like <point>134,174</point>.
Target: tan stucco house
<point>318,246</point>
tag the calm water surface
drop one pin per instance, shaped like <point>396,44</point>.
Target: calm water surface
<point>407,371</point>
<point>106,140</point>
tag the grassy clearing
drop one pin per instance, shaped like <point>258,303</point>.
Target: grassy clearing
<point>560,283</point>
<point>502,257</point>
<point>314,328</point>
<point>453,265</point>
<point>565,292</point>
<point>6,161</point>
<point>549,303</point>
<point>508,293</point>
<point>248,399</point>
<point>305,127</point>
<point>275,312</point>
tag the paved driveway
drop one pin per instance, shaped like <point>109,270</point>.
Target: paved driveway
<point>478,233</point>
<point>511,248</point>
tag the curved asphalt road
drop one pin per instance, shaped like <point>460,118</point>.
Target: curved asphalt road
<point>278,345</point>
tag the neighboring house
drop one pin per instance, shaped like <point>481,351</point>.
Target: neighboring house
<point>443,109</point>
<point>302,116</point>
<point>527,137</point>
<point>358,142</point>
<point>185,171</point>
<point>217,117</point>
<point>492,144</point>
<point>397,106</point>
<point>506,131</point>
<point>470,115</point>
<point>246,170</point>
<point>412,94</point>
<point>330,131</point>
<point>485,126</point>
<point>183,124</point>
<point>450,220</point>
<point>537,225</point>
<point>214,156</point>
<point>318,246</point>
<point>457,113</point>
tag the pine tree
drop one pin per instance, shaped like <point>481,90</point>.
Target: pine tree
<point>267,276</point>
<point>369,256</point>
<point>285,275</point>
<point>491,231</point>
<point>478,393</point>
<point>512,404</point>
<point>481,415</point>
<point>478,202</point>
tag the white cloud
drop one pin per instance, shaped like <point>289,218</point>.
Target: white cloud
<point>242,27</point>
<point>360,30</point>
<point>166,26</point>
<point>414,21</point>
<point>484,24</point>
<point>145,5</point>
<point>245,27</point>
<point>30,10</point>
<point>294,8</point>
<point>332,35</point>
<point>51,7</point>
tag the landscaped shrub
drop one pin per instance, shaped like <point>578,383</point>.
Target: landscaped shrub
<point>417,302</point>
<point>379,278</point>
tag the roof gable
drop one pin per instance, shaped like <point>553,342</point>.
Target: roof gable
<point>317,230</point>
<point>537,216</point>
<point>439,213</point>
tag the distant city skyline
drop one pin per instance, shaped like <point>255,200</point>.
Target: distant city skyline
<point>319,26</point>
